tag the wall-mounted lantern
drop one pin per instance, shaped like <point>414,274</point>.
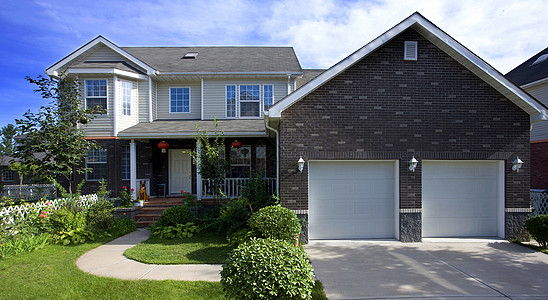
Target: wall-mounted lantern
<point>517,164</point>
<point>413,164</point>
<point>301,164</point>
<point>163,145</point>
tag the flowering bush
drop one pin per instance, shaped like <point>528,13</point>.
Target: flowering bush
<point>126,197</point>
<point>189,199</point>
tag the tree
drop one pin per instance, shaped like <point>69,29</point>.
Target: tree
<point>211,164</point>
<point>53,140</point>
<point>7,144</point>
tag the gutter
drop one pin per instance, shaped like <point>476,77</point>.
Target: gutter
<point>267,118</point>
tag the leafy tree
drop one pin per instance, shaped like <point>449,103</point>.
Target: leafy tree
<point>54,131</point>
<point>211,164</point>
<point>7,145</point>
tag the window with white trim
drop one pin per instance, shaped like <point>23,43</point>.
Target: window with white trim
<point>268,96</point>
<point>231,101</point>
<point>127,88</point>
<point>179,100</point>
<point>96,93</point>
<point>240,162</point>
<point>96,162</point>
<point>250,100</point>
<point>126,169</point>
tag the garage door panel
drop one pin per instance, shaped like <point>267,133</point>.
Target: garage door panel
<point>351,200</point>
<point>460,198</point>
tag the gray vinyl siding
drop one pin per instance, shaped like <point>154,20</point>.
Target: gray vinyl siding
<point>104,53</point>
<point>540,130</point>
<point>215,93</point>
<point>122,121</point>
<point>102,125</point>
<point>195,100</point>
<point>143,101</point>
<point>154,99</point>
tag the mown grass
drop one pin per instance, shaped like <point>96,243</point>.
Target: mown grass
<point>202,248</point>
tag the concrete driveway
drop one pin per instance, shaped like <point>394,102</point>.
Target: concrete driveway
<point>436,268</point>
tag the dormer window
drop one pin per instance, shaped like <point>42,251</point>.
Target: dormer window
<point>190,55</point>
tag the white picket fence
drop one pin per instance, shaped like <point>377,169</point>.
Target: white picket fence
<point>539,203</point>
<point>22,211</point>
<point>29,192</point>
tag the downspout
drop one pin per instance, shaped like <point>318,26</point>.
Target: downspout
<point>277,153</point>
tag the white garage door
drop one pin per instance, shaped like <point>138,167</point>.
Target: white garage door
<point>460,198</point>
<point>351,199</point>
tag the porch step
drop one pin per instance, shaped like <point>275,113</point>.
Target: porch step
<point>153,209</point>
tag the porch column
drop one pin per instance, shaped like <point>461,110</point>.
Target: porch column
<point>198,175</point>
<point>133,168</point>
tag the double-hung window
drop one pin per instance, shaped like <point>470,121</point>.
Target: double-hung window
<point>127,88</point>
<point>250,100</point>
<point>268,96</point>
<point>96,93</point>
<point>179,100</point>
<point>240,162</point>
<point>125,163</point>
<point>231,101</point>
<point>96,162</point>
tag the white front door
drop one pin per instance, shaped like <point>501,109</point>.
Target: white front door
<point>180,171</point>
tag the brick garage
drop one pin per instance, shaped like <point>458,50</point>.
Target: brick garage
<point>383,107</point>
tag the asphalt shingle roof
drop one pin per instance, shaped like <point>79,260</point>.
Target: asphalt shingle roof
<point>219,59</point>
<point>527,72</point>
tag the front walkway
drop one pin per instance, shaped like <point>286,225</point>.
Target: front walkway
<point>108,260</point>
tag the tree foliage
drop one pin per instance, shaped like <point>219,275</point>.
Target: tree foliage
<point>7,143</point>
<point>53,140</point>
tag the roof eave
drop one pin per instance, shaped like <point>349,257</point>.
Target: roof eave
<point>145,135</point>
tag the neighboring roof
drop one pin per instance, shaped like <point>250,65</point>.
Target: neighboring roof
<point>187,128</point>
<point>308,74</point>
<point>120,65</point>
<point>265,60</point>
<point>529,71</point>
<point>536,110</point>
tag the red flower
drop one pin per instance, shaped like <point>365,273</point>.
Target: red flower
<point>124,187</point>
<point>47,202</point>
<point>132,190</point>
<point>44,214</point>
<point>182,191</point>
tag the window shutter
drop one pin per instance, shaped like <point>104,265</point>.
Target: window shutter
<point>410,51</point>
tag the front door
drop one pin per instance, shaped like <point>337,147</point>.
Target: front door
<point>180,171</point>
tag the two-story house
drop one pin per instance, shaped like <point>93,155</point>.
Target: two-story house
<point>155,96</point>
<point>410,136</point>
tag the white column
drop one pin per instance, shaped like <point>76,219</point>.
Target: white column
<point>133,167</point>
<point>288,84</point>
<point>149,99</point>
<point>114,105</point>
<point>198,175</point>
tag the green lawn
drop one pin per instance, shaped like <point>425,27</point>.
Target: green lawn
<point>202,248</point>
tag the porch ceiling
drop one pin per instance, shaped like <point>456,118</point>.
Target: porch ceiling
<point>187,128</point>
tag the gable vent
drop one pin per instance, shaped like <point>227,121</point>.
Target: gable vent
<point>190,55</point>
<point>410,51</point>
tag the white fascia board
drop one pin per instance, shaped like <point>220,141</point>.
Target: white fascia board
<point>107,71</point>
<point>533,107</point>
<point>284,74</point>
<point>186,135</point>
<point>52,71</point>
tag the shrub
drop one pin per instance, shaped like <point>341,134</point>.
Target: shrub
<point>126,197</point>
<point>255,190</point>
<point>208,218</point>
<point>176,215</point>
<point>180,231</point>
<point>99,216</point>
<point>276,222</point>
<point>233,216</point>
<point>267,269</point>
<point>23,243</point>
<point>538,228</point>
<point>241,236</point>
<point>122,226</point>
<point>75,236</point>
<point>65,219</point>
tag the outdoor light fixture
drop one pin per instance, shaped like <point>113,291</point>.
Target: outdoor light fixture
<point>413,164</point>
<point>301,164</point>
<point>517,164</point>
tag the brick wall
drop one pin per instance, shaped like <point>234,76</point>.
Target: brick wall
<point>386,108</point>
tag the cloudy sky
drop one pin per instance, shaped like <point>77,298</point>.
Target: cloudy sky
<point>36,34</point>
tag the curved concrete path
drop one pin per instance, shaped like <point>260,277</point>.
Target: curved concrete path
<point>108,260</point>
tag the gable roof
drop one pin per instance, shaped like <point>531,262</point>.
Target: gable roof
<point>529,71</point>
<point>237,60</point>
<point>53,70</point>
<point>536,110</point>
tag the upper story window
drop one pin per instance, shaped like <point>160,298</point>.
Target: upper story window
<point>127,88</point>
<point>246,101</point>
<point>179,100</point>
<point>96,162</point>
<point>268,96</point>
<point>96,93</point>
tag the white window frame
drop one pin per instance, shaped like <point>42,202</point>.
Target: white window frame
<point>264,93</point>
<point>125,107</point>
<point>95,97</point>
<point>248,165</point>
<point>96,162</point>
<point>259,101</point>
<point>122,160</point>
<point>235,101</point>
<point>237,114</point>
<point>189,100</point>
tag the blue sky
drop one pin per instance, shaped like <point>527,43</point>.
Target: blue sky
<point>36,34</point>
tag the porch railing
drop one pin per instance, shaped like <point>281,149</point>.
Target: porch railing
<point>232,187</point>
<point>539,203</point>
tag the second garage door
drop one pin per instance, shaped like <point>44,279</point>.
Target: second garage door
<point>461,198</point>
<point>351,199</point>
